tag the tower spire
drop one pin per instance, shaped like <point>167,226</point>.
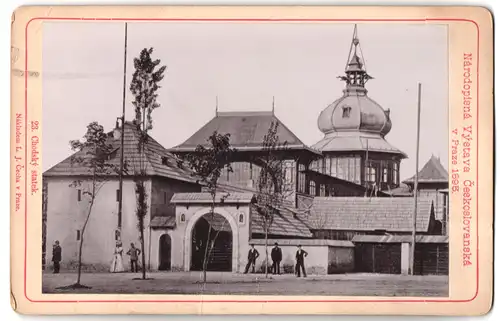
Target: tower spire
<point>216,106</point>
<point>355,69</point>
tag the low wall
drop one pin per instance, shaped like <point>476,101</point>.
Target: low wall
<point>324,256</point>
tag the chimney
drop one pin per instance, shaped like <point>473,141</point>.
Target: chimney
<point>117,131</point>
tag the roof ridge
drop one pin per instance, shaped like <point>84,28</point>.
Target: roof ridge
<point>244,113</point>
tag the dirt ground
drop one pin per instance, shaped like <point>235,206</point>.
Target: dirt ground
<point>251,284</point>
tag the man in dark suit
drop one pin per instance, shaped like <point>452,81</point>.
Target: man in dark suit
<point>253,254</point>
<point>56,256</point>
<point>276,256</point>
<point>301,254</point>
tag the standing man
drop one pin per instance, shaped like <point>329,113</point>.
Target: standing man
<point>276,256</point>
<point>301,254</point>
<point>253,254</point>
<point>134,256</point>
<point>56,256</point>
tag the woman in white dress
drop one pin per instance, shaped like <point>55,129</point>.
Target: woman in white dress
<point>117,263</point>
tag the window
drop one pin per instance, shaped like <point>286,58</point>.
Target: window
<point>370,174</point>
<point>322,190</point>
<point>302,179</point>
<point>333,167</point>
<point>312,188</point>
<point>395,174</point>
<point>384,175</point>
<point>251,171</point>
<point>241,218</point>
<point>351,169</point>
<point>342,168</point>
<point>79,197</point>
<point>357,176</point>
<point>118,195</point>
<point>78,235</point>
<point>346,112</point>
<point>328,165</point>
<point>183,217</point>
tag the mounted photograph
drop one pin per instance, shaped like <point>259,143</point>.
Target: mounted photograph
<point>245,158</point>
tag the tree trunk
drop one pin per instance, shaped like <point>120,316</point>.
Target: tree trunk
<point>80,249</point>
<point>266,239</point>
<point>142,251</point>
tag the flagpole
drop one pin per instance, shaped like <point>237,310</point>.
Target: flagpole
<point>367,169</point>
<point>120,200</point>
<point>415,189</point>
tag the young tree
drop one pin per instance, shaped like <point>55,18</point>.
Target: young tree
<point>144,87</point>
<point>92,153</point>
<point>272,189</point>
<point>208,164</point>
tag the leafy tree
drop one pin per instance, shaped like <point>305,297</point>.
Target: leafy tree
<point>208,164</point>
<point>144,87</point>
<point>92,153</point>
<point>272,187</point>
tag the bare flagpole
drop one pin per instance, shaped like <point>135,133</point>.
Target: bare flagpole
<point>415,189</point>
<point>120,202</point>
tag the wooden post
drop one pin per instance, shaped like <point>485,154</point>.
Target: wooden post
<point>122,136</point>
<point>415,189</point>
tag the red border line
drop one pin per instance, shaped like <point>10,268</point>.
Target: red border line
<point>242,20</point>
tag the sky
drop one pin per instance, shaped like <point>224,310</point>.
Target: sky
<point>244,65</point>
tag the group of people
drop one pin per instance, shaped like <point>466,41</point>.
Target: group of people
<point>116,264</point>
<point>277,257</point>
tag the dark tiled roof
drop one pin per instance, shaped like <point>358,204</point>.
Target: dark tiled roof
<point>399,239</point>
<point>392,214</point>
<point>432,172</point>
<point>163,222</point>
<point>285,223</point>
<point>203,198</point>
<point>158,161</point>
<point>247,130</point>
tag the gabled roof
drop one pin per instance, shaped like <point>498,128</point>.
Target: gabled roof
<point>247,130</point>
<point>393,214</point>
<point>432,172</point>
<point>285,223</point>
<point>159,162</point>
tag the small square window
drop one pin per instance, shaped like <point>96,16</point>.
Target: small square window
<point>346,112</point>
<point>79,195</point>
<point>183,217</point>
<point>118,195</point>
<point>78,235</point>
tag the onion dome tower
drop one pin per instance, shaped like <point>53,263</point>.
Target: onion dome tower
<point>355,127</point>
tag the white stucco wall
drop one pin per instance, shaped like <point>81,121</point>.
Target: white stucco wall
<point>66,215</point>
<point>181,236</point>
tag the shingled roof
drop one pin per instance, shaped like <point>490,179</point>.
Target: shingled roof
<point>159,162</point>
<point>432,172</point>
<point>370,214</point>
<point>247,130</point>
<point>285,223</point>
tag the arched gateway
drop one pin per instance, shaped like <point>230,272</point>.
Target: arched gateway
<point>214,230</point>
<point>220,230</point>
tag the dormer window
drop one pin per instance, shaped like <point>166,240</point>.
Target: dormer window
<point>346,112</point>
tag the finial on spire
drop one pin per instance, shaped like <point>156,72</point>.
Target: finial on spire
<point>216,106</point>
<point>355,69</point>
